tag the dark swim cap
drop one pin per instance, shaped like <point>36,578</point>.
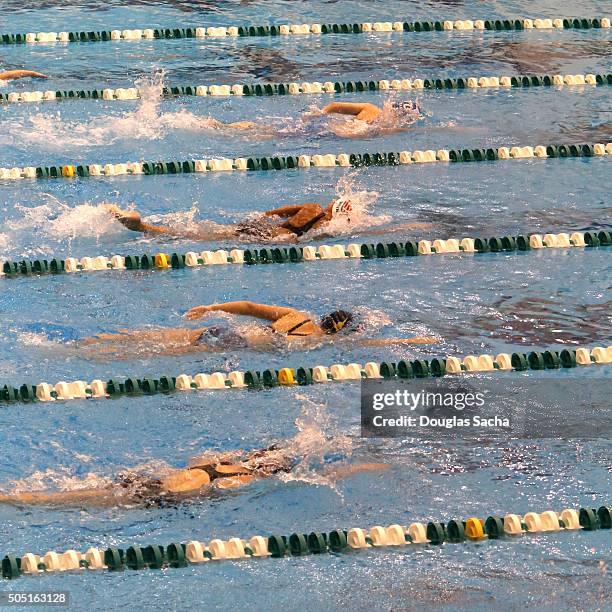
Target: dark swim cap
<point>406,106</point>
<point>335,321</point>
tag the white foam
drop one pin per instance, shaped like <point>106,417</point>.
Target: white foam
<point>49,131</point>
<point>36,339</point>
<point>360,219</point>
<point>314,440</point>
<point>55,222</point>
<point>60,479</point>
<point>390,120</point>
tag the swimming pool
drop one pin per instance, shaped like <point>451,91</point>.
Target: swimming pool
<point>490,303</point>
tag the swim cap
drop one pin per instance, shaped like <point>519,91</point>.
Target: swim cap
<point>335,321</point>
<point>406,106</point>
<point>342,206</point>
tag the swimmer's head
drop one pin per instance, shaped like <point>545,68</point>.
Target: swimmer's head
<point>340,208</point>
<point>335,321</point>
<point>406,107</point>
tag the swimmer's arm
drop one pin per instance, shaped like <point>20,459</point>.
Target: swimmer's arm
<point>21,74</point>
<point>147,228</point>
<point>286,211</point>
<point>344,471</point>
<point>132,220</point>
<point>245,308</point>
<point>346,108</point>
<point>362,110</point>
<point>398,341</point>
<point>97,497</point>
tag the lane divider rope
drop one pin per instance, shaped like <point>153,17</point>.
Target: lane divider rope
<point>344,160</point>
<point>179,554</point>
<point>296,254</point>
<point>254,379</point>
<point>316,87</point>
<point>579,23</point>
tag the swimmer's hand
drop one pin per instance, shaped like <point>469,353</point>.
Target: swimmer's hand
<point>198,312</point>
<point>312,113</point>
<point>129,218</point>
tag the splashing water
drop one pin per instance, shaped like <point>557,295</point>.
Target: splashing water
<point>5,242</point>
<point>183,219</point>
<point>49,130</point>
<point>390,120</point>
<point>37,339</point>
<point>59,222</point>
<point>371,320</point>
<point>394,117</point>
<point>347,188</point>
<point>312,443</point>
<point>61,479</point>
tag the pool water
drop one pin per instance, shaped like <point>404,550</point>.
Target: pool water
<point>488,303</point>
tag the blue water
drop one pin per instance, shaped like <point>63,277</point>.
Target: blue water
<point>471,304</point>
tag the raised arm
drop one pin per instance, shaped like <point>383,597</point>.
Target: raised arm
<point>20,74</point>
<point>361,110</point>
<point>285,211</point>
<point>245,308</point>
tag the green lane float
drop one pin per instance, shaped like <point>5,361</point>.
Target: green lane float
<point>316,87</point>
<point>288,377</point>
<point>283,255</point>
<point>195,552</point>
<point>329,160</point>
<point>303,29</point>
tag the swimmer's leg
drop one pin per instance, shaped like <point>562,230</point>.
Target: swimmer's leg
<point>87,497</point>
<point>173,341</point>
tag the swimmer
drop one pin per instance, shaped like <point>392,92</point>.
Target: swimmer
<point>292,223</point>
<point>395,117</point>
<point>10,75</point>
<point>287,324</point>
<point>206,474</point>
<point>370,113</point>
<point>287,224</point>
